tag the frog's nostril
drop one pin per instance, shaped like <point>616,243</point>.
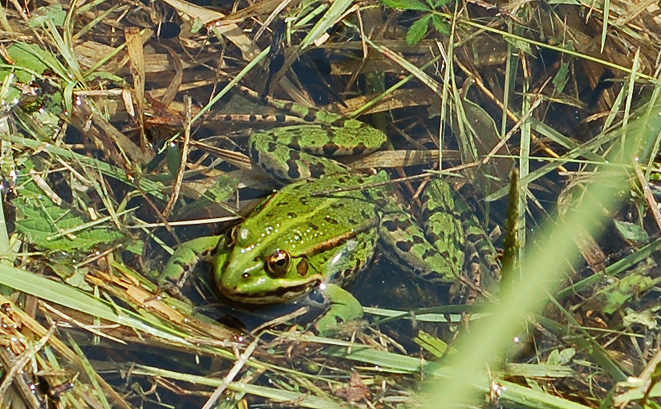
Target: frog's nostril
<point>245,275</point>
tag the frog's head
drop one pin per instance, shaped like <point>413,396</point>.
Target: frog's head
<point>254,274</point>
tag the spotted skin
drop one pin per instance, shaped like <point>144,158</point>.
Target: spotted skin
<point>335,244</point>
<point>296,152</point>
<point>186,257</point>
<point>405,242</point>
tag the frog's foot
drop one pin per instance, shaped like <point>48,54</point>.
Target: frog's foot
<point>343,308</point>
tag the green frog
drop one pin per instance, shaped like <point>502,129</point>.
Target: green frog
<point>325,225</point>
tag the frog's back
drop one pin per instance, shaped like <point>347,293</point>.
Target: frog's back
<point>309,214</point>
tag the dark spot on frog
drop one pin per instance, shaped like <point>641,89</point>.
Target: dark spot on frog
<point>474,258</point>
<point>350,273</point>
<point>313,226</point>
<point>294,145</point>
<point>287,106</point>
<point>317,170</point>
<point>342,179</point>
<point>271,146</point>
<point>228,117</point>
<point>390,225</point>
<point>293,171</point>
<point>252,118</point>
<point>302,268</point>
<point>353,222</point>
<point>292,215</point>
<point>431,236</point>
<point>359,149</point>
<point>473,238</point>
<point>380,201</point>
<point>294,155</point>
<point>311,116</point>
<point>364,214</point>
<point>404,224</point>
<point>418,240</point>
<point>330,220</point>
<point>398,224</point>
<point>280,118</point>
<point>330,149</point>
<point>404,245</point>
<point>428,253</point>
<point>254,152</point>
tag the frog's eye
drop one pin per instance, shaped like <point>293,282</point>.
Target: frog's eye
<point>277,263</point>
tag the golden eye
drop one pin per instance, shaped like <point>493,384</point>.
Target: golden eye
<point>277,263</point>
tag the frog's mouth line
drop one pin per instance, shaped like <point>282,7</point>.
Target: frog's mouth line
<point>282,294</point>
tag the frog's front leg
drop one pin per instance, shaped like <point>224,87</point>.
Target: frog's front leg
<point>186,257</point>
<point>344,307</point>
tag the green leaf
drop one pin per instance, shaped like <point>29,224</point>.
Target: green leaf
<point>52,13</point>
<point>9,95</point>
<point>520,44</point>
<point>26,61</point>
<point>631,232</point>
<point>645,317</point>
<point>173,159</point>
<point>611,298</point>
<point>418,30</point>
<point>440,24</point>
<point>406,5</point>
<point>561,357</point>
<point>432,344</point>
<point>42,222</point>
<point>68,96</point>
<point>104,75</point>
<point>561,77</point>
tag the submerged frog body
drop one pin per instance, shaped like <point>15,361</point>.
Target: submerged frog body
<point>326,227</point>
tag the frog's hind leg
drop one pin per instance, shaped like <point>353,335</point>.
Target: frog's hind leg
<point>282,153</point>
<point>444,207</point>
<point>407,245</point>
